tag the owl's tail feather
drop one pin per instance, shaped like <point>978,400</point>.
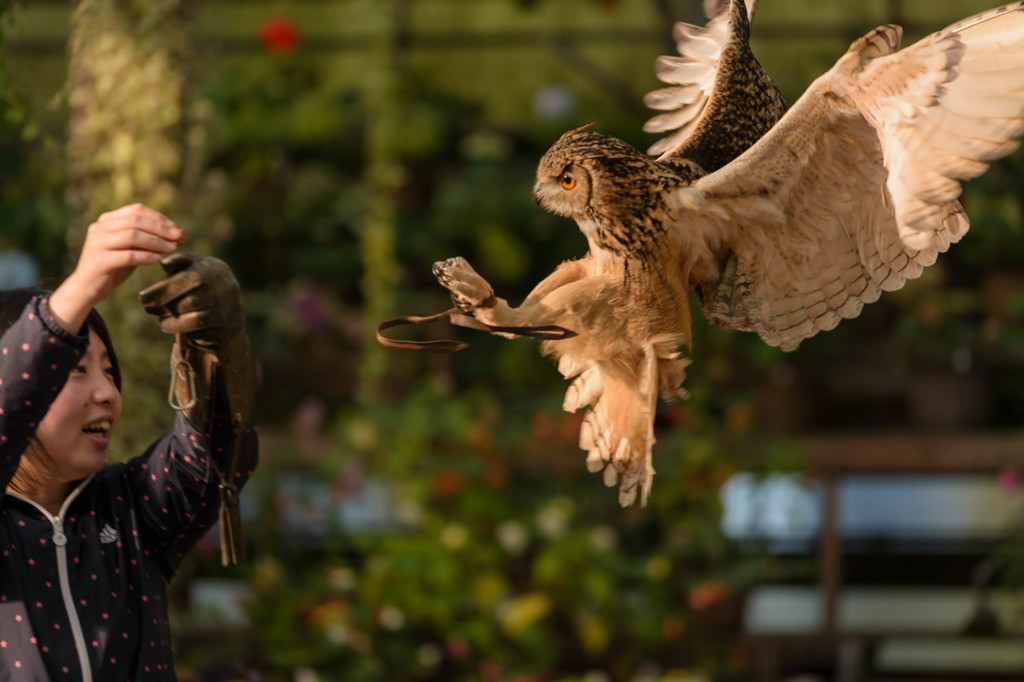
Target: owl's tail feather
<point>618,427</point>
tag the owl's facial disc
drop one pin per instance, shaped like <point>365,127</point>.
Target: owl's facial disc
<point>563,192</point>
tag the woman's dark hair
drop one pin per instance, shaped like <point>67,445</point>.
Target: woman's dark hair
<point>12,305</point>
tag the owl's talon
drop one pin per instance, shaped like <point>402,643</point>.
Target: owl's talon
<point>468,289</point>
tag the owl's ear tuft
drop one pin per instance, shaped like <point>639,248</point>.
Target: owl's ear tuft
<point>581,129</point>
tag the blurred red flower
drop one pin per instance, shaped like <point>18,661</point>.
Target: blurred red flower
<point>672,628</point>
<point>448,484</point>
<point>706,595</point>
<point>279,35</point>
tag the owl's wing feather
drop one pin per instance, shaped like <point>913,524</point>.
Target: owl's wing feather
<point>691,75</point>
<point>719,99</point>
<point>855,190</point>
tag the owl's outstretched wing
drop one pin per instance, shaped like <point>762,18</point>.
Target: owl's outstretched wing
<point>719,100</point>
<point>855,190</point>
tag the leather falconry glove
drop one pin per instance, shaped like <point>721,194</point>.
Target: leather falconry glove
<point>200,302</point>
<point>212,365</point>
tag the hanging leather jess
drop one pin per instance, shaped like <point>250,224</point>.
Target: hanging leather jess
<point>232,546</point>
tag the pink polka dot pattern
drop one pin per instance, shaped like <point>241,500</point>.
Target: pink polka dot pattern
<point>124,531</point>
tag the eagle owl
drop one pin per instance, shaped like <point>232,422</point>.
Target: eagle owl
<point>783,222</point>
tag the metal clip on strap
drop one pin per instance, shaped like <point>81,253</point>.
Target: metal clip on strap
<point>172,399</point>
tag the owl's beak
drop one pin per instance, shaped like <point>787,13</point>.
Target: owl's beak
<point>538,192</point>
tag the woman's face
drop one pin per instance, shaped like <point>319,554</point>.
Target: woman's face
<point>76,430</point>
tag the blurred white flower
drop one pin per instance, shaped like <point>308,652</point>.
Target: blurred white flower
<point>408,512</point>
<point>513,537</point>
<point>553,520</point>
<point>336,633</point>
<point>603,539</point>
<point>391,618</point>
<point>340,578</point>
<point>429,655</point>
<point>554,102</point>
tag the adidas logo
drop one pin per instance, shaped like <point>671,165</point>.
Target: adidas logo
<point>107,534</point>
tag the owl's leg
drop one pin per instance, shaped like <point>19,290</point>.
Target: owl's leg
<point>471,292</point>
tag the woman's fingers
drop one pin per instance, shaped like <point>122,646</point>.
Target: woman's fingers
<point>136,211</point>
<point>117,243</point>
<point>108,268</point>
<point>138,234</point>
<point>122,238</point>
<point>120,241</point>
<point>138,220</point>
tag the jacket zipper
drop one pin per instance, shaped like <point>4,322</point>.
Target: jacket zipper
<point>60,541</point>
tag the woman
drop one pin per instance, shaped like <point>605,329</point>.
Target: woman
<point>86,549</point>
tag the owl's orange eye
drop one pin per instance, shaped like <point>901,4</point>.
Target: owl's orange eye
<point>567,181</point>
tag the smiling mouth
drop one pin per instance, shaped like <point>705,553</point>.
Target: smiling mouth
<point>100,428</point>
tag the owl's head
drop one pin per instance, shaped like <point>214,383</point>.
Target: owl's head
<point>585,173</point>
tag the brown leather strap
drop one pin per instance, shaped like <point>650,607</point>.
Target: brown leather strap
<point>444,346</point>
<point>457,317</point>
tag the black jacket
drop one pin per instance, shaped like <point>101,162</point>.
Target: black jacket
<point>87,589</point>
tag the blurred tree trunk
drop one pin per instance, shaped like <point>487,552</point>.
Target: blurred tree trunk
<point>129,124</point>
<point>383,178</point>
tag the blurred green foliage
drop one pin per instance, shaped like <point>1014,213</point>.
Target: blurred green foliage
<point>500,557</point>
<point>31,180</point>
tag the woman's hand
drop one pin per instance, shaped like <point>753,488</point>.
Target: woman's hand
<point>116,244</point>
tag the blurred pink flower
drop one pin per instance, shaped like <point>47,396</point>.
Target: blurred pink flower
<point>457,647</point>
<point>1009,480</point>
<point>308,420</point>
<point>311,309</point>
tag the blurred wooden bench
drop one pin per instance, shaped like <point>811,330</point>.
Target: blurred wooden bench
<point>872,632</point>
<point>896,632</point>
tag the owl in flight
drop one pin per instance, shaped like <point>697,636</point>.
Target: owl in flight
<point>782,222</point>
